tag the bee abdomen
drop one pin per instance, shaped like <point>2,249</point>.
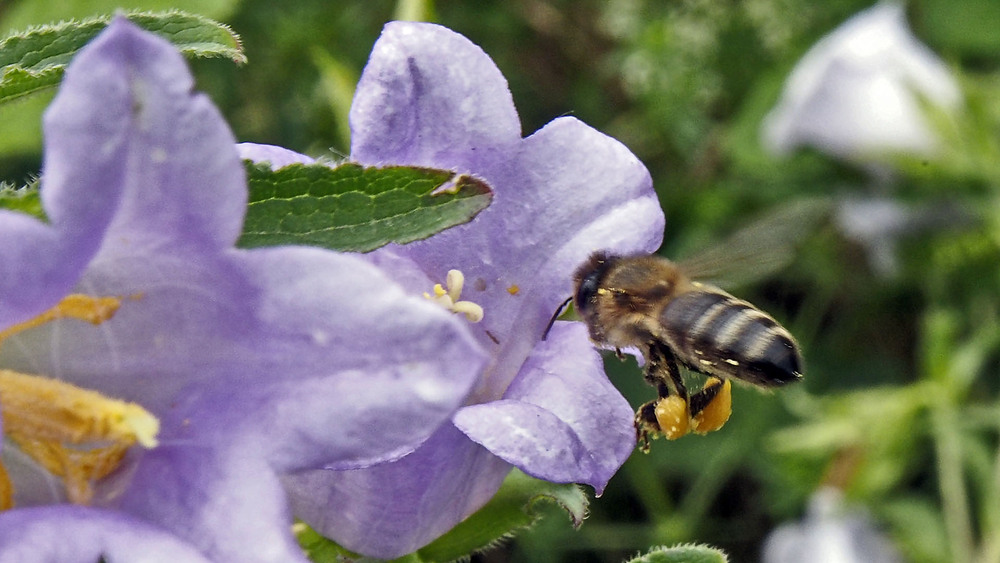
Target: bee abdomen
<point>718,334</point>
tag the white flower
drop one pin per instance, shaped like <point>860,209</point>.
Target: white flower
<point>857,93</point>
<point>829,533</point>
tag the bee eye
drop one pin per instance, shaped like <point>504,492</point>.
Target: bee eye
<point>588,290</point>
<point>589,279</point>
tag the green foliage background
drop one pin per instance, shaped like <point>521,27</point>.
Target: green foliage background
<point>899,407</point>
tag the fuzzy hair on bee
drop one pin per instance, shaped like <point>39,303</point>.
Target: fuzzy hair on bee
<point>659,307</point>
<point>647,302</point>
<point>631,301</point>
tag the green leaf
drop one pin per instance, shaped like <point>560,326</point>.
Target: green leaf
<point>317,548</point>
<point>34,60</point>
<point>508,512</point>
<point>689,553</point>
<point>353,208</point>
<point>322,550</point>
<point>24,199</point>
<point>22,14</point>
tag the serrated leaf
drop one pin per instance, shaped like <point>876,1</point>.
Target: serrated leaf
<point>353,208</point>
<point>34,60</point>
<point>689,553</point>
<point>511,510</point>
<point>21,15</point>
<point>24,199</point>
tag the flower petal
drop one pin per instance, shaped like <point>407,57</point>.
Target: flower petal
<point>559,195</point>
<point>90,147</point>
<point>383,367</point>
<point>430,97</point>
<point>567,191</point>
<point>255,361</point>
<point>390,510</point>
<point>278,157</point>
<point>201,321</point>
<point>561,420</point>
<point>184,185</point>
<point>428,94</point>
<point>74,534</point>
<point>229,504</point>
<point>301,341</point>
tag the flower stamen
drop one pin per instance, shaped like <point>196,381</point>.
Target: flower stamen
<point>449,298</point>
<point>6,490</point>
<point>94,310</point>
<point>74,433</point>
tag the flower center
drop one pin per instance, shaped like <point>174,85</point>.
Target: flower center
<point>74,433</point>
<point>449,298</point>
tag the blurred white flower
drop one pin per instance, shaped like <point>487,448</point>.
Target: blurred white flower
<point>829,533</point>
<point>876,224</point>
<point>857,93</point>
<point>879,223</point>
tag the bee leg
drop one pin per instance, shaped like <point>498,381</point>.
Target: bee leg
<point>670,413</point>
<point>662,371</point>
<point>646,425</point>
<point>701,399</point>
<point>711,407</point>
<point>668,416</point>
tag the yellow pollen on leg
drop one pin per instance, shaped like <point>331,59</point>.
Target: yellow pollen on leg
<point>449,298</point>
<point>718,410</point>
<point>74,433</point>
<point>673,416</point>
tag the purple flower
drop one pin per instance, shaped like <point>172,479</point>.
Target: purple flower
<point>857,93</point>
<point>429,97</point>
<point>256,363</point>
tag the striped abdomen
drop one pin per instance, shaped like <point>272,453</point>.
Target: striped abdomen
<point>715,333</point>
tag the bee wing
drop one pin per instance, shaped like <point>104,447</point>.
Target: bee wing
<point>761,248</point>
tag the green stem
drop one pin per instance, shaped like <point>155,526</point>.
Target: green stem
<point>953,492</point>
<point>990,550</point>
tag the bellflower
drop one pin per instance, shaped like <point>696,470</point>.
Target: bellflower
<point>251,363</point>
<point>878,224</point>
<point>830,533</point>
<point>857,93</point>
<point>429,97</point>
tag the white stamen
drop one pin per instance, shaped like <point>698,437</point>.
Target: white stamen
<point>474,313</point>
<point>449,298</point>
<point>455,281</point>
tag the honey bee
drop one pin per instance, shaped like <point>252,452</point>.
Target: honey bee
<point>655,305</point>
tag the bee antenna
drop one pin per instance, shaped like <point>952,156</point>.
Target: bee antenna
<point>552,321</point>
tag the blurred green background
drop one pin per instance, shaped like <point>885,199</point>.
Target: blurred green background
<point>899,406</point>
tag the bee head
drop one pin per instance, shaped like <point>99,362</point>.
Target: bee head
<point>588,279</point>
